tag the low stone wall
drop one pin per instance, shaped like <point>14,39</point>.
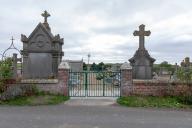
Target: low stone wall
<point>153,88</point>
<point>59,86</point>
<point>53,86</point>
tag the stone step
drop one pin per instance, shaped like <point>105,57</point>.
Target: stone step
<point>91,101</point>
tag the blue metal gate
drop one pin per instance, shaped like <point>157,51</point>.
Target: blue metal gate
<point>94,84</point>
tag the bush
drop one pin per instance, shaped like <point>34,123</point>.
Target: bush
<point>5,73</point>
<point>185,75</point>
<point>5,69</point>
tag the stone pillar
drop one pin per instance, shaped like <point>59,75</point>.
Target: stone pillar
<point>14,65</point>
<point>63,76</point>
<point>126,80</point>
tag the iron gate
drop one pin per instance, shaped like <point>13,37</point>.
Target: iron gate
<point>94,84</point>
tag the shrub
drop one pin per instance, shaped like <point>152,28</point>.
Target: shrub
<point>185,75</point>
<point>5,73</point>
<point>5,68</point>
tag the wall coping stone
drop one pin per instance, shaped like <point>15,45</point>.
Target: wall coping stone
<point>40,81</point>
<point>154,81</point>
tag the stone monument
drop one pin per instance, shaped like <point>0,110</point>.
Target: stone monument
<point>142,62</point>
<point>42,52</point>
<point>186,63</point>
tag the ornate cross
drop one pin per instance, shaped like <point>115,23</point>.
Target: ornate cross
<point>141,33</point>
<point>45,15</point>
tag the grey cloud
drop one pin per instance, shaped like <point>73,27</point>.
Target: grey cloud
<point>22,17</point>
<point>117,30</point>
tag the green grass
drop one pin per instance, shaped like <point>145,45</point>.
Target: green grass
<point>151,101</point>
<point>42,99</point>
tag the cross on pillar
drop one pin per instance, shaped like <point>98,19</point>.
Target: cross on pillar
<point>45,14</point>
<point>141,33</point>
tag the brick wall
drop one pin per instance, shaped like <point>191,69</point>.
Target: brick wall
<point>160,89</point>
<point>151,87</point>
<point>59,88</point>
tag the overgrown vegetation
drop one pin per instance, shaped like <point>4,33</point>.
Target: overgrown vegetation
<point>185,75</point>
<point>39,98</point>
<point>5,72</point>
<point>5,68</point>
<point>159,102</point>
<point>31,96</point>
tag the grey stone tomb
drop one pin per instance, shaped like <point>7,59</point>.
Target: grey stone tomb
<point>42,52</point>
<point>142,62</point>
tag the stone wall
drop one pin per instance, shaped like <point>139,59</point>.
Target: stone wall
<point>57,88</point>
<point>52,86</point>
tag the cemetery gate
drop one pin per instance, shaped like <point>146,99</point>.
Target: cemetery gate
<point>94,84</point>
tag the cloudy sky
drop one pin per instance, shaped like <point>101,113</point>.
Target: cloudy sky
<point>104,28</point>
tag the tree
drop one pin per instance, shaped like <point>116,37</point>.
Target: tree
<point>101,66</point>
<point>84,66</point>
<point>93,67</point>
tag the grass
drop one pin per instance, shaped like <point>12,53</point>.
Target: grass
<point>152,101</point>
<point>41,99</point>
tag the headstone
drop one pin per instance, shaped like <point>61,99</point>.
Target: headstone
<point>42,52</point>
<point>142,62</point>
<point>174,76</point>
<point>186,63</point>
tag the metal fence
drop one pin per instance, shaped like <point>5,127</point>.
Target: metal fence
<point>94,84</point>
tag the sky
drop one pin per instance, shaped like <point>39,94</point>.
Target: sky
<point>104,28</point>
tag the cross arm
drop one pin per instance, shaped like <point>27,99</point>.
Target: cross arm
<point>136,33</point>
<point>147,33</point>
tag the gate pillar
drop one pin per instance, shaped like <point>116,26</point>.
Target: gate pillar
<point>126,80</point>
<point>63,76</point>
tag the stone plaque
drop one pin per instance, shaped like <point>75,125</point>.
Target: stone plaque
<point>40,65</point>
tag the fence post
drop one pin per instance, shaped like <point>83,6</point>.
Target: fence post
<point>126,80</point>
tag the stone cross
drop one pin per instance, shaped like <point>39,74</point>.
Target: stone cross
<point>45,15</point>
<point>141,33</point>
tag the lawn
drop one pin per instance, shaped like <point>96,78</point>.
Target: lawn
<point>158,102</point>
<point>42,99</point>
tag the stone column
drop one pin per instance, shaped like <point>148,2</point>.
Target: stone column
<point>14,65</point>
<point>63,76</point>
<point>126,80</point>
